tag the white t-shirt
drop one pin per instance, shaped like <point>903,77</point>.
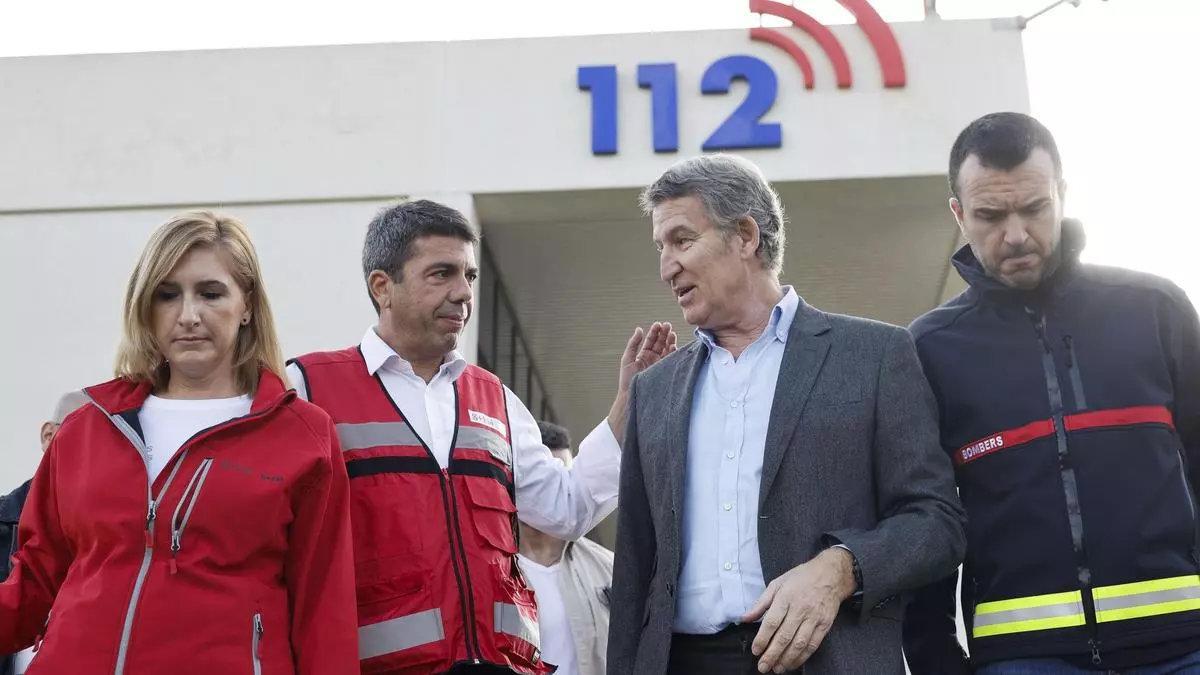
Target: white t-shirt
<point>168,423</point>
<point>558,645</point>
<point>21,660</point>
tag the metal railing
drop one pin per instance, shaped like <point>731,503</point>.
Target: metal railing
<point>503,348</point>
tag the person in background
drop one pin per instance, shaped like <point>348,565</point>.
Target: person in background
<point>10,516</point>
<point>572,581</point>
<point>194,517</point>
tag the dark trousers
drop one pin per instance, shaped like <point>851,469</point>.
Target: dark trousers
<point>724,653</point>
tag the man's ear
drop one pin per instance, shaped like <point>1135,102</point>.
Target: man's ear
<point>957,209</point>
<point>48,431</point>
<point>748,236</point>
<point>380,285</point>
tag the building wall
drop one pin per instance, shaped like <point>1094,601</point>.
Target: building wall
<point>305,144</point>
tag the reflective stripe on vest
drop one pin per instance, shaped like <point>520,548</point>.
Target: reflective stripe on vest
<point>1064,610</point>
<point>375,434</point>
<point>475,438</point>
<point>1037,612</point>
<point>1097,419</point>
<point>511,621</point>
<point>1147,598</point>
<point>403,632</point>
<point>381,434</point>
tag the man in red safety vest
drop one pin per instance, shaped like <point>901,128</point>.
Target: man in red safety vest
<point>441,456</point>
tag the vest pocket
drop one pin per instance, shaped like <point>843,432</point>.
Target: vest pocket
<point>494,517</point>
<point>399,626</point>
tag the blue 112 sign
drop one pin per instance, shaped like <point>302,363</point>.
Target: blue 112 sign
<point>742,129</point>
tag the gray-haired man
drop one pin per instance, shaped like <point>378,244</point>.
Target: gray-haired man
<point>780,465</point>
<point>13,503</point>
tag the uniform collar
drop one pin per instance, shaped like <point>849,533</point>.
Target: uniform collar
<point>379,355</point>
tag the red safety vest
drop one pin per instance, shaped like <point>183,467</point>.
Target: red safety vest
<point>435,549</point>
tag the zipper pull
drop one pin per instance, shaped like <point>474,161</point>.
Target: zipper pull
<point>175,546</point>
<point>151,514</point>
<point>1039,325</point>
<point>1095,652</point>
<point>258,629</point>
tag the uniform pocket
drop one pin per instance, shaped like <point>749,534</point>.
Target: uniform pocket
<point>494,517</point>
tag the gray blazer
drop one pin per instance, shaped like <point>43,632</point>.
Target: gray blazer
<point>852,456</point>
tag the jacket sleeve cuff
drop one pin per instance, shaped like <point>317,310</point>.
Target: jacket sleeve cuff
<point>866,599</point>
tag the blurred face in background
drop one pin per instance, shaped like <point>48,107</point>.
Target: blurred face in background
<point>48,431</point>
<point>564,455</point>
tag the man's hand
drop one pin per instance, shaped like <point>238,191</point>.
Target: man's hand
<point>643,350</point>
<point>798,608</point>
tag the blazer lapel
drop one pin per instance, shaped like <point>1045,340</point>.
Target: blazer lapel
<point>683,387</point>
<point>805,352</point>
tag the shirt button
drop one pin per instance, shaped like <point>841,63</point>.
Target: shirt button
<point>729,455</point>
<point>728,566</point>
<point>728,506</point>
<point>733,404</point>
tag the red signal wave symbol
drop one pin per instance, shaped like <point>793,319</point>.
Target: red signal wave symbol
<point>877,31</point>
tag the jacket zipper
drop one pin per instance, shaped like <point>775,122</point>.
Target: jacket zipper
<point>473,625</point>
<point>256,639</point>
<point>1076,378</point>
<point>190,494</point>
<point>152,510</point>
<point>1070,487</point>
<point>465,599</point>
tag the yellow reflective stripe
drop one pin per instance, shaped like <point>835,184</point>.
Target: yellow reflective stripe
<point>1147,598</point>
<point>1067,621</point>
<point>1036,612</point>
<point>1147,610</point>
<point>1027,602</point>
<point>1147,586</point>
<point>1119,602</point>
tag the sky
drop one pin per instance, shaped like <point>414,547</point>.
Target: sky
<point>1114,80</point>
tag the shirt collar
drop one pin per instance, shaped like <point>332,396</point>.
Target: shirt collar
<point>779,325</point>
<point>378,355</point>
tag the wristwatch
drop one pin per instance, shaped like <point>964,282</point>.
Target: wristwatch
<point>854,568</point>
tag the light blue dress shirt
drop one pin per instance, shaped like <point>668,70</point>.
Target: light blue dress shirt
<point>722,576</point>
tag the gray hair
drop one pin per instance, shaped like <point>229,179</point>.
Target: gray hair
<point>731,188</point>
<point>67,404</point>
<point>392,232</point>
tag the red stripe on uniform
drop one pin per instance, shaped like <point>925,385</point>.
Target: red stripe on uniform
<point>1116,417</point>
<point>1119,417</point>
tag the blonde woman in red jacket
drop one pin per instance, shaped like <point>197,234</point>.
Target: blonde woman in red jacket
<point>194,518</point>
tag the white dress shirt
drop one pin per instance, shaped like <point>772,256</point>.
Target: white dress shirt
<point>721,575</point>
<point>565,503</point>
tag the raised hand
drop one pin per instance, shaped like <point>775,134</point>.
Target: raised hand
<point>644,349</point>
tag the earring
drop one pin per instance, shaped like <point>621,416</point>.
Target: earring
<point>246,321</point>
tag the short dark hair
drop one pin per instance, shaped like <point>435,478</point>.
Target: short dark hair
<point>554,436</point>
<point>1002,141</point>
<point>388,244</point>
